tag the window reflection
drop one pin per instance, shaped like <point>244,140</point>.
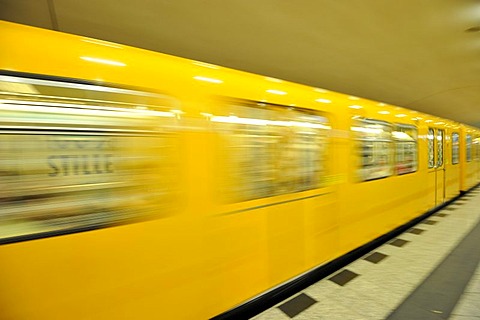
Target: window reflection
<point>455,148</point>
<point>271,150</point>
<point>405,137</point>
<point>375,148</point>
<point>80,156</point>
<point>469,147</point>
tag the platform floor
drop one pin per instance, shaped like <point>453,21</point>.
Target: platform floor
<point>430,272</point>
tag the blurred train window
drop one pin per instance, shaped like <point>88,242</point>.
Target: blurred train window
<point>476,143</point>
<point>76,156</point>
<point>376,148</point>
<point>440,141</point>
<point>405,137</point>
<point>270,150</point>
<point>431,147</point>
<point>455,148</point>
<point>468,141</point>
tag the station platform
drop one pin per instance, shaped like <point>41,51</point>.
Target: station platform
<point>430,272</point>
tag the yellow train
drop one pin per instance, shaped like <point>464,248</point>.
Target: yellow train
<point>137,185</point>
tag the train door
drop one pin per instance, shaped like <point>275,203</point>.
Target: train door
<point>436,166</point>
<point>439,166</point>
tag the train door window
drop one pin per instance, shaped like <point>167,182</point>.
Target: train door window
<point>405,137</point>
<point>376,151</point>
<point>270,150</point>
<point>455,148</point>
<point>431,147</point>
<point>440,138</point>
<point>468,141</point>
<point>76,156</point>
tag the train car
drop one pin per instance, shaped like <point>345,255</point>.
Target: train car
<point>138,185</point>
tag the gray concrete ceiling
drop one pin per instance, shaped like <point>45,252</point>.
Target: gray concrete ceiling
<point>418,54</point>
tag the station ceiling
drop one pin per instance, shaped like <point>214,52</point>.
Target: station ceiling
<point>419,54</point>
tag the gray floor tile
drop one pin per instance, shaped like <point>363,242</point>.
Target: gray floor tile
<point>329,310</point>
<point>399,242</point>
<point>272,314</point>
<point>343,277</point>
<point>457,317</point>
<point>383,295</point>
<point>375,257</point>
<point>469,305</point>
<point>364,303</point>
<point>474,286</point>
<point>297,305</point>
<point>416,231</point>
